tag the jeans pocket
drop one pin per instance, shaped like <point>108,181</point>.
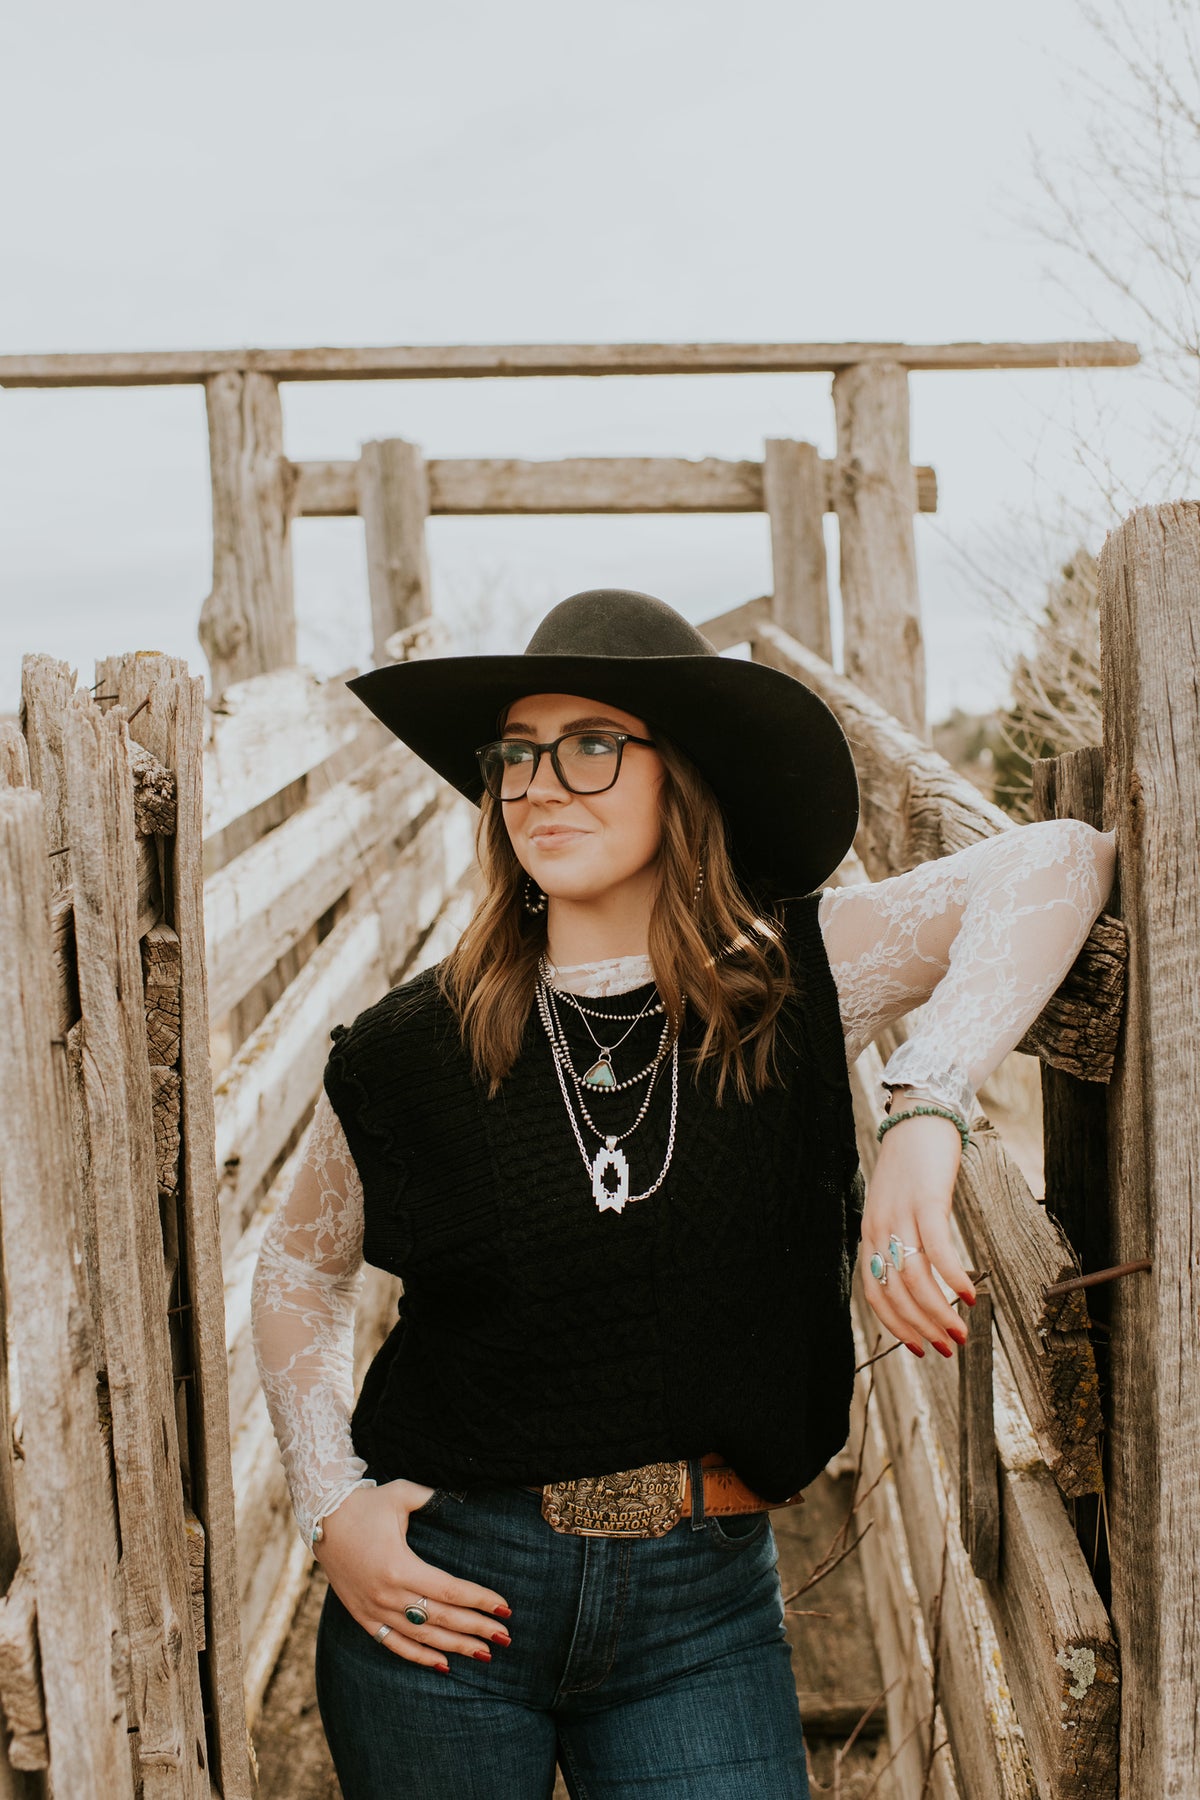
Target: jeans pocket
<point>736,1531</point>
<point>440,1497</point>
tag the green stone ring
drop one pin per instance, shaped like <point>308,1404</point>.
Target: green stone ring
<point>900,1252</point>
<point>417,1614</point>
<point>878,1268</point>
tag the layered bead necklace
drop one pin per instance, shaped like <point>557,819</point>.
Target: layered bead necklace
<point>609,1166</point>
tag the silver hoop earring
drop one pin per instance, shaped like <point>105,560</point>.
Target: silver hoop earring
<point>534,900</point>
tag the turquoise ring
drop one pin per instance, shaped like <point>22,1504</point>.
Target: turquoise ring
<point>878,1268</point>
<point>900,1253</point>
<point>417,1614</point>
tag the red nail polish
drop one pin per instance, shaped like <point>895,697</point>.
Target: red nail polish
<point>967,1299</point>
<point>442,1668</point>
<point>502,1612</point>
<point>915,1348</point>
<point>944,1349</point>
<point>482,1655</point>
<point>959,1338</point>
<point>501,1637</point>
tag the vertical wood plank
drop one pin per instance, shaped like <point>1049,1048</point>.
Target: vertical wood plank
<point>393,498</point>
<point>875,498</point>
<point>171,725</point>
<point>212,1474</point>
<point>978,1473</point>
<point>170,1739</point>
<point>14,758</point>
<point>86,1718</point>
<point>1074,1112</point>
<point>46,689</point>
<point>248,622</point>
<point>1149,579</point>
<point>794,496</point>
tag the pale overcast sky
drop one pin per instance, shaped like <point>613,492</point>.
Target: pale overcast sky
<point>374,173</point>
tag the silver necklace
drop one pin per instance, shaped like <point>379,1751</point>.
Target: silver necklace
<point>610,1159</point>
<point>588,1079</point>
<point>601,1074</point>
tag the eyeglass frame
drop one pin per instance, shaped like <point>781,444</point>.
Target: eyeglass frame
<point>622,738</point>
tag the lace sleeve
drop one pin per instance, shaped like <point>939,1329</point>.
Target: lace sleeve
<point>305,1287</point>
<point>978,940</point>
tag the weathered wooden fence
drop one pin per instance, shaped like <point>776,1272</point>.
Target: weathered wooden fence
<point>331,867</point>
<point>120,1663</point>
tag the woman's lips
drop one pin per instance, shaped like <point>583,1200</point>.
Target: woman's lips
<point>552,837</point>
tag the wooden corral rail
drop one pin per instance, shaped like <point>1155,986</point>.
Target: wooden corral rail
<point>466,487</point>
<point>412,362</point>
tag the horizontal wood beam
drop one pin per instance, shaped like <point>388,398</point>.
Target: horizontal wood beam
<point>263,902</point>
<point>472,487</point>
<point>267,733</point>
<point>414,362</point>
<point>264,1092</point>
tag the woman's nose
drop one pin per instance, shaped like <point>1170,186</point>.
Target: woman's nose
<point>545,784</point>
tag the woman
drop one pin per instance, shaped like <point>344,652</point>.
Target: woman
<point>609,1147</point>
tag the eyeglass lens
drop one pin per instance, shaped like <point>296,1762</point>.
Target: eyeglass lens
<point>587,762</point>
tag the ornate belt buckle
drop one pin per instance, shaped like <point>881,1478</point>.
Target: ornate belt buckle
<point>633,1503</point>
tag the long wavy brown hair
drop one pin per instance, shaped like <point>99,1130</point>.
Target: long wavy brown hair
<point>717,952</point>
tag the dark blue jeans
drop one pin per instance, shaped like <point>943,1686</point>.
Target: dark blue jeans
<point>650,1668</point>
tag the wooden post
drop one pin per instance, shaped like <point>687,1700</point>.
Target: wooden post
<point>393,498</point>
<point>1149,578</point>
<point>978,1474</point>
<point>1074,1111</point>
<point>86,1719</point>
<point>875,492</point>
<point>171,726</point>
<point>169,1741</point>
<point>248,622</point>
<point>794,497</point>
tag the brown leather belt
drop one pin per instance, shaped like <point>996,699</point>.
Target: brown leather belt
<point>646,1502</point>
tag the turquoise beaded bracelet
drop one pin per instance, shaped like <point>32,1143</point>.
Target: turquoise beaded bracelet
<point>916,1112</point>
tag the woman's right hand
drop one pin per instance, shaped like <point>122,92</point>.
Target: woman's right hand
<point>364,1551</point>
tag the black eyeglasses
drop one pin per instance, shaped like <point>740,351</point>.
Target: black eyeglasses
<point>586,762</point>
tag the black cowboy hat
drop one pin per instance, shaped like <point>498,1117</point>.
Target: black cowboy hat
<point>772,752</point>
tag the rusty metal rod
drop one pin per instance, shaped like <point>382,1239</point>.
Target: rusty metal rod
<point>1097,1278</point>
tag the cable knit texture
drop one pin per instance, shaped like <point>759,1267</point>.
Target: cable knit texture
<point>540,1338</point>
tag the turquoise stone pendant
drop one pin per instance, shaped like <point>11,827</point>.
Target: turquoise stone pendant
<point>600,1075</point>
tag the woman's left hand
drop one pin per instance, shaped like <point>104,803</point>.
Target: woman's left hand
<point>910,1197</point>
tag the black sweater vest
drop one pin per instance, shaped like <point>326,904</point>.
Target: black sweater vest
<point>539,1338</point>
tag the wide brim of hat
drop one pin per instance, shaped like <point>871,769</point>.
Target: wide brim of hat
<point>770,749</point>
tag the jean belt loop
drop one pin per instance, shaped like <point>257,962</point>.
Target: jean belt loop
<point>696,1476</point>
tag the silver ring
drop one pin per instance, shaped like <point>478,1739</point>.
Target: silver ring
<point>899,1253</point>
<point>417,1614</point>
<point>878,1267</point>
<point>384,1631</point>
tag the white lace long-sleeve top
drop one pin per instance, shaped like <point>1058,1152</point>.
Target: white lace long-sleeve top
<point>978,941</point>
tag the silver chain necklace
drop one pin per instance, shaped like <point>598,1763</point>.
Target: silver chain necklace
<point>599,1088</point>
<point>609,1158</point>
<point>601,1075</point>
